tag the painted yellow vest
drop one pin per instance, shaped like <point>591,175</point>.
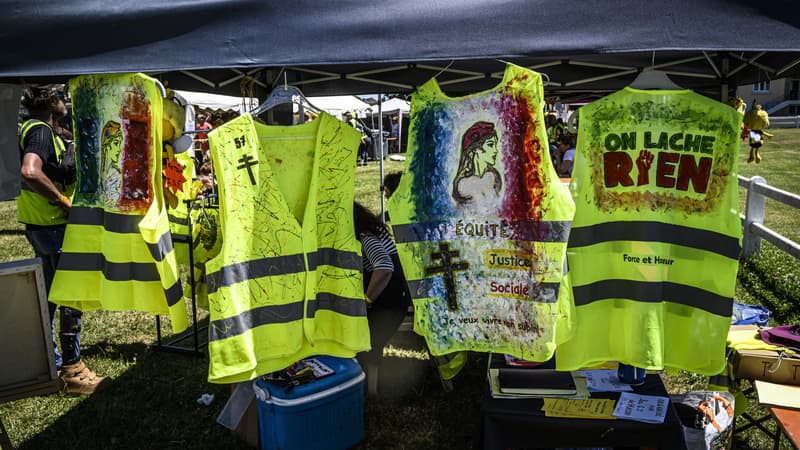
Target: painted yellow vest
<point>32,208</point>
<point>654,247</point>
<point>287,282</point>
<point>481,221</point>
<point>117,251</point>
<point>179,216</point>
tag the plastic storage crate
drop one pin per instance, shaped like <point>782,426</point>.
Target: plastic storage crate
<point>327,413</point>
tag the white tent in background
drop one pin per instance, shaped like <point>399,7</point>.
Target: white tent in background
<point>203,100</point>
<point>394,106</point>
<point>336,105</point>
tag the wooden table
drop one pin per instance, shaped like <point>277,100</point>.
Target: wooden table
<point>788,421</point>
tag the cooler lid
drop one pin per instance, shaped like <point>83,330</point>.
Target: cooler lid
<point>345,369</point>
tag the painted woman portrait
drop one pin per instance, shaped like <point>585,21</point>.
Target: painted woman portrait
<point>477,181</point>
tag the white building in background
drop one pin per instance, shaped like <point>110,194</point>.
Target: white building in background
<point>771,93</point>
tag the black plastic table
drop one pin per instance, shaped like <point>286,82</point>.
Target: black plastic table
<point>521,423</point>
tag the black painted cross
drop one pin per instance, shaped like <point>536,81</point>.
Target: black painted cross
<point>247,163</point>
<point>447,270</point>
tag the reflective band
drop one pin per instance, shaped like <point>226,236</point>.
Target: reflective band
<point>178,220</point>
<point>655,232</point>
<point>115,223</point>
<point>249,270</point>
<point>265,315</point>
<point>654,292</point>
<point>128,271</point>
<point>161,249</point>
<point>354,307</point>
<point>542,231</point>
<point>184,239</point>
<point>334,257</point>
<point>544,292</point>
<point>174,293</point>
<point>281,265</point>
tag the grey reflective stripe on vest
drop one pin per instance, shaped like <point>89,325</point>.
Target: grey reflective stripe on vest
<point>353,307</point>
<point>113,222</point>
<point>281,265</point>
<point>160,249</point>
<point>424,288</point>
<point>517,230</point>
<point>336,258</point>
<point>178,220</point>
<point>654,292</point>
<point>128,271</point>
<point>282,314</point>
<point>656,232</point>
<point>248,270</point>
<point>264,315</point>
<point>120,223</point>
<point>96,262</point>
<point>174,293</point>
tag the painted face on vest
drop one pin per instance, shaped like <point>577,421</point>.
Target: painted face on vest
<point>486,155</point>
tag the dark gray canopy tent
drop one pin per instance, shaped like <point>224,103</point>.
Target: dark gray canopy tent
<point>588,46</point>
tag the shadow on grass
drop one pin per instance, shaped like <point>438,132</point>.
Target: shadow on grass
<point>412,410</point>
<point>151,405</point>
<point>117,352</point>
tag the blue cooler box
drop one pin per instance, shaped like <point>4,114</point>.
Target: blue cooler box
<point>324,414</point>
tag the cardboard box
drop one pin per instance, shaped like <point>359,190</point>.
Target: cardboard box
<point>765,365</point>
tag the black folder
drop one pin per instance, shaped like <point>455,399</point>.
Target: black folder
<point>535,382</point>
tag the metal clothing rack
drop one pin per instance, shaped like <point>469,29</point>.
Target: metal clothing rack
<point>172,346</point>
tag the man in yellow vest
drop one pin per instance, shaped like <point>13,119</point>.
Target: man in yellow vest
<point>48,177</point>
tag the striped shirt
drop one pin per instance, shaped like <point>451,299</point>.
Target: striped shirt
<point>378,250</point>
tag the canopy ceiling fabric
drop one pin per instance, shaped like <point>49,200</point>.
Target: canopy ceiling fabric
<point>348,46</point>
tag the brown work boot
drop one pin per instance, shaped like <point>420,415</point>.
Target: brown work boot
<point>79,380</point>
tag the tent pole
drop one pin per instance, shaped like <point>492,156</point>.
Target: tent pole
<point>724,78</point>
<point>380,156</point>
<point>399,130</point>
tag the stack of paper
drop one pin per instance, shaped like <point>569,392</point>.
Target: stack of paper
<point>593,408</point>
<point>604,381</point>
<point>778,395</point>
<point>642,408</point>
<point>578,392</point>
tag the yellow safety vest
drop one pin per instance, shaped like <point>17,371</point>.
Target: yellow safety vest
<point>287,282</point>
<point>481,221</point>
<point>32,208</point>
<point>179,216</point>
<point>117,251</point>
<point>654,247</point>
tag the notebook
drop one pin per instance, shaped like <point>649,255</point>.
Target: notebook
<point>535,382</point>
<point>778,395</point>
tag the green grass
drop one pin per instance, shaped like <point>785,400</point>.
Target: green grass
<point>152,403</point>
